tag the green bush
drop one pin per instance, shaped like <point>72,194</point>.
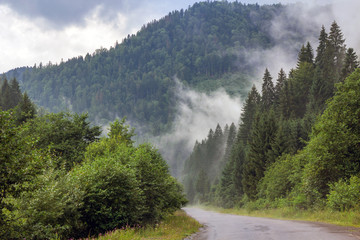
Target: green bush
<point>277,183</point>
<point>112,195</point>
<point>344,195</point>
<point>49,208</point>
<point>161,191</point>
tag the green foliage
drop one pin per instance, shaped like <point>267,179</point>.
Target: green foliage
<point>162,193</point>
<point>344,195</point>
<point>20,162</point>
<point>49,208</point>
<point>120,131</point>
<point>64,134</point>
<point>112,197</point>
<point>276,182</point>
<point>114,185</point>
<point>333,151</point>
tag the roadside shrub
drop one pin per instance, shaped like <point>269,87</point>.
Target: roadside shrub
<point>49,207</point>
<point>112,195</point>
<point>276,182</point>
<point>344,195</point>
<point>162,193</point>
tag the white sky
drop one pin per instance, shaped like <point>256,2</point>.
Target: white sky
<point>34,31</point>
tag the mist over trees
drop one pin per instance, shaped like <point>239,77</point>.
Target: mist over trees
<point>297,142</point>
<point>204,46</point>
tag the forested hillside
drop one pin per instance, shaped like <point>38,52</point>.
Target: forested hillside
<point>204,46</point>
<point>297,143</point>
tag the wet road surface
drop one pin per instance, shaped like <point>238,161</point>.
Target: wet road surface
<point>219,226</point>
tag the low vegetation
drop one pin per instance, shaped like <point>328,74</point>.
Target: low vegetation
<point>173,227</point>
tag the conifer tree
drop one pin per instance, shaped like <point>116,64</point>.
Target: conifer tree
<point>321,49</point>
<point>257,159</point>
<point>239,158</point>
<point>351,63</point>
<point>232,174</point>
<point>279,87</point>
<point>268,91</point>
<point>231,136</point>
<point>226,187</point>
<point>247,116</point>
<point>286,102</point>
<point>5,95</point>
<point>323,84</point>
<point>16,95</point>
<point>305,54</point>
<point>26,109</point>
<point>301,84</point>
<point>337,47</point>
<point>309,53</point>
<point>202,185</point>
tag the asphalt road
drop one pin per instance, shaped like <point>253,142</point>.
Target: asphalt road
<point>218,226</point>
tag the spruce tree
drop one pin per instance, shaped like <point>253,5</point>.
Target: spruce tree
<point>16,95</point>
<point>226,187</point>
<point>320,51</point>
<point>323,83</point>
<point>5,96</point>
<point>286,101</point>
<point>305,54</point>
<point>26,109</point>
<point>202,185</point>
<point>337,46</point>
<point>260,154</point>
<point>279,87</point>
<point>231,136</point>
<point>301,83</point>
<point>268,91</point>
<point>247,116</point>
<point>309,53</point>
<point>351,63</point>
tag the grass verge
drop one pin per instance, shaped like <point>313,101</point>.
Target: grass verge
<point>175,227</point>
<point>348,218</point>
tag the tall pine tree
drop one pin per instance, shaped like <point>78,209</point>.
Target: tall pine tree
<point>268,91</point>
<point>351,63</point>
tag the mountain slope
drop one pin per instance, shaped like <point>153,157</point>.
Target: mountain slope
<point>204,46</point>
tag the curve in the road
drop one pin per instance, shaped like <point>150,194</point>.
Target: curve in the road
<point>220,226</point>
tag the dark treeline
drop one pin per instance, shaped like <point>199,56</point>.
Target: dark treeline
<point>201,45</point>
<point>60,180</point>
<point>297,142</point>
<point>11,97</point>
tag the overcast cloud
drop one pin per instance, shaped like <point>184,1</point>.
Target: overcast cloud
<point>34,31</point>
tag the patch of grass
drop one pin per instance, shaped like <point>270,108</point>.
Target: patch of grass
<point>174,227</point>
<point>348,218</point>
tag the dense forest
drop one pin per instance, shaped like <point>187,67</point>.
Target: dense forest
<point>60,180</point>
<point>297,143</point>
<point>204,46</point>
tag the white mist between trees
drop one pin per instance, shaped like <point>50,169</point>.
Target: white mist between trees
<point>197,113</point>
